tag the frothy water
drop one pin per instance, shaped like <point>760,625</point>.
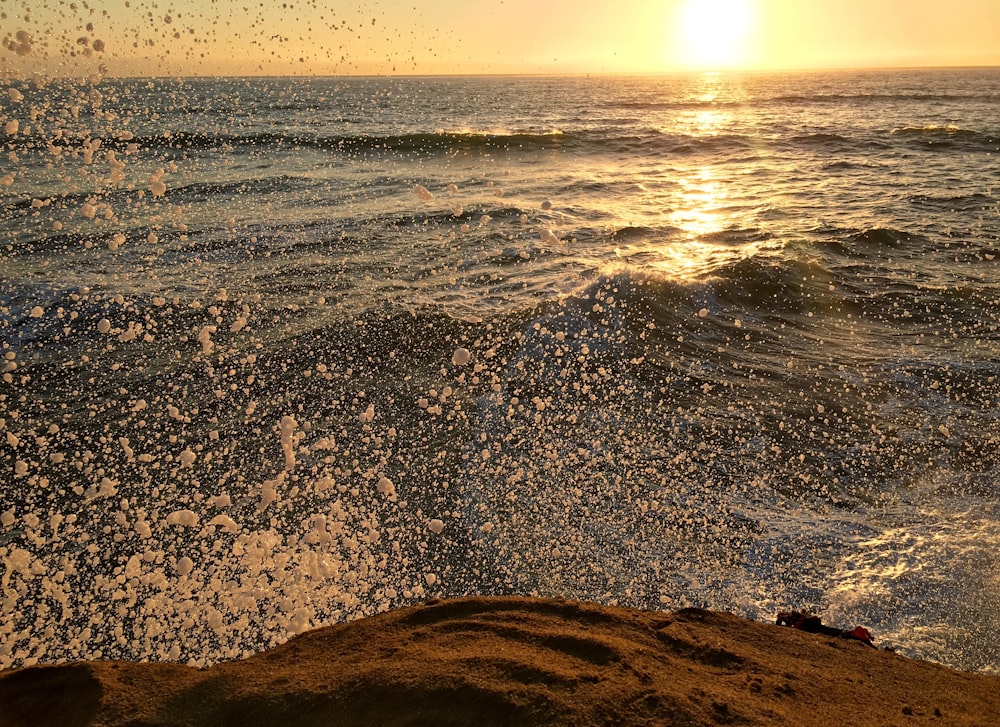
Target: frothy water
<point>280,353</point>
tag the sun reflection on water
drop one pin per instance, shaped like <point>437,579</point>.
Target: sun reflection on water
<point>711,219</point>
<point>699,205</point>
<point>696,259</point>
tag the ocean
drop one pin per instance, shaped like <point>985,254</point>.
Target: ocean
<point>280,353</point>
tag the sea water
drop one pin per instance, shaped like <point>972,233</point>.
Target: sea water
<point>280,353</point>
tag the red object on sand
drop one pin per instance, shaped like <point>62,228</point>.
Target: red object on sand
<point>814,625</point>
<point>861,634</point>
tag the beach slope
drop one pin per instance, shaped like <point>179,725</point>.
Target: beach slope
<point>505,661</point>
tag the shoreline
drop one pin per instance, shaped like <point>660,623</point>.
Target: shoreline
<point>511,660</point>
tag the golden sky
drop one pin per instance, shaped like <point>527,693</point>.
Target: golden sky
<point>264,37</point>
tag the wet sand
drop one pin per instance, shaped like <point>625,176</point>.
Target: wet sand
<point>519,661</point>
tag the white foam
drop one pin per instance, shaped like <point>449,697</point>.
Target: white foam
<point>105,488</point>
<point>548,236</point>
<point>386,487</point>
<point>187,458</point>
<point>157,187</point>
<point>269,491</point>
<point>185,518</point>
<point>225,522</point>
<point>324,483</point>
<point>205,338</point>
<point>19,560</point>
<point>287,428</point>
<point>184,565</point>
<point>143,529</point>
<point>300,621</point>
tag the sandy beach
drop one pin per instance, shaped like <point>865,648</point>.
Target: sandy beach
<point>500,661</point>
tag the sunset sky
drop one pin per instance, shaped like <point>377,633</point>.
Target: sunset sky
<point>253,37</point>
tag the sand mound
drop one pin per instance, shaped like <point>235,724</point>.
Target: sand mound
<point>493,661</point>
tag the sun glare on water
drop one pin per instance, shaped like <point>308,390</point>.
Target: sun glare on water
<point>713,34</point>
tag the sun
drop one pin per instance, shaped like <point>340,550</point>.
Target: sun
<point>713,35</point>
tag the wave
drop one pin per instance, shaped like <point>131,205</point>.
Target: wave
<point>238,187</point>
<point>809,279</point>
<point>441,218</point>
<point>840,98</point>
<point>641,233</point>
<point>651,142</point>
<point>633,140</point>
<point>884,237</point>
<point>933,131</point>
<point>769,287</point>
<point>657,143</point>
<point>671,105</point>
<point>786,100</point>
<point>604,140</point>
<point>351,144</point>
<point>870,243</point>
<point>820,139</point>
<point>417,142</point>
<point>736,236</point>
<point>960,203</point>
<point>836,142</point>
<point>934,137</point>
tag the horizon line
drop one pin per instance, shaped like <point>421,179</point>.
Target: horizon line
<point>520,74</point>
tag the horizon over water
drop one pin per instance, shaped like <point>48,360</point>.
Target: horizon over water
<point>675,73</point>
<point>283,352</point>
